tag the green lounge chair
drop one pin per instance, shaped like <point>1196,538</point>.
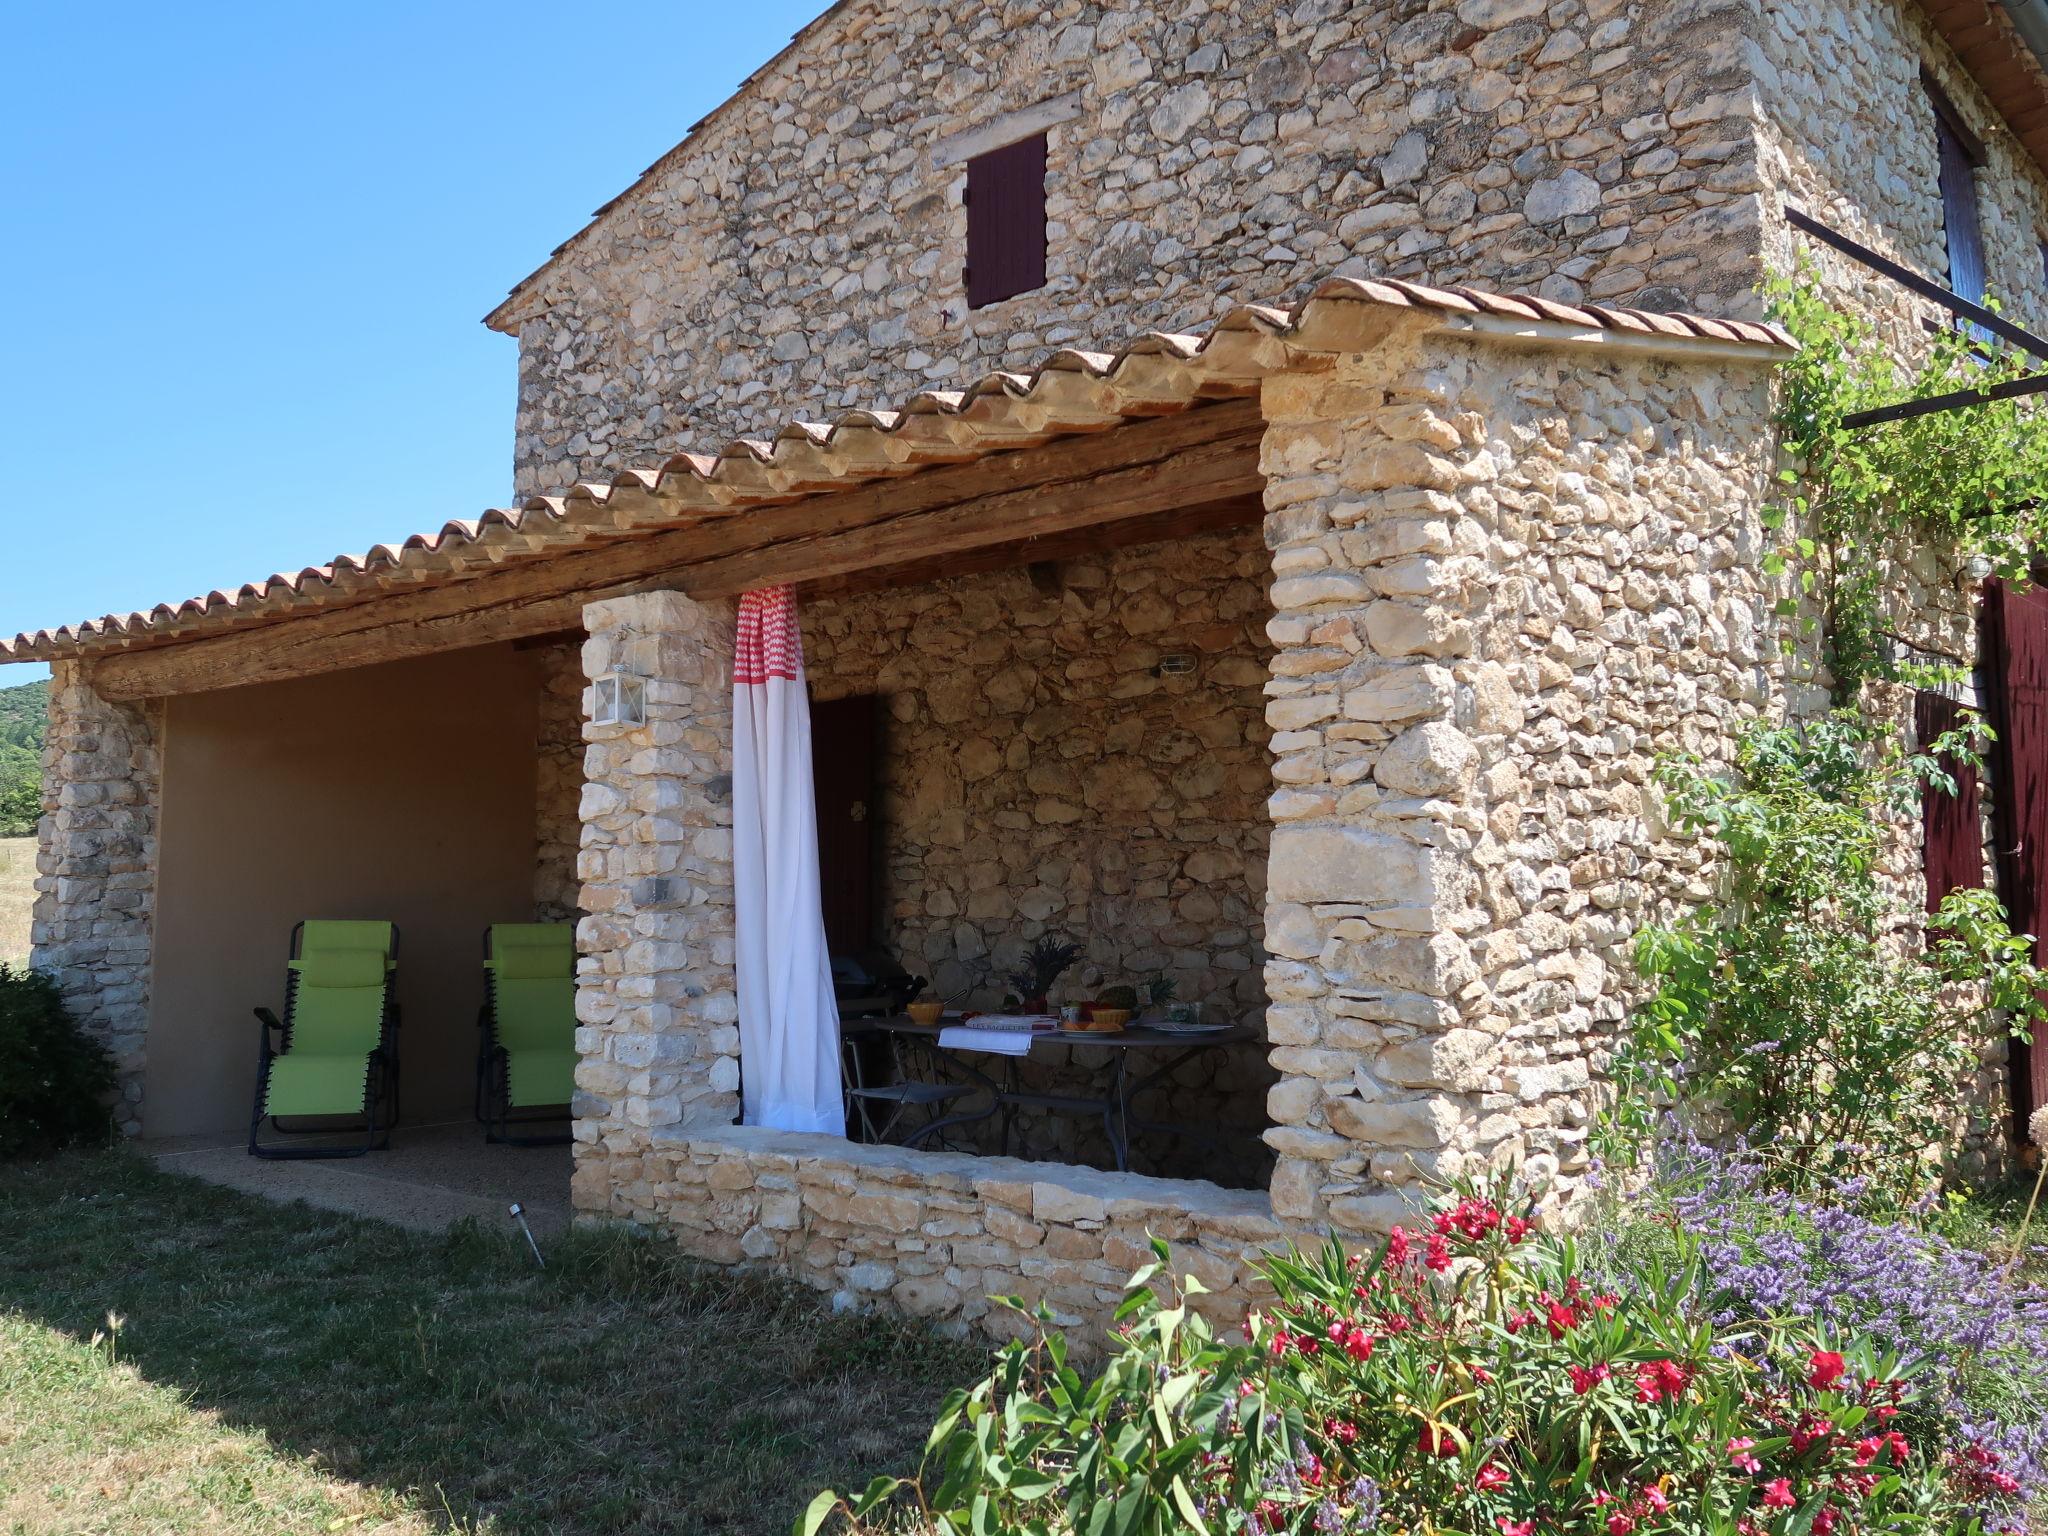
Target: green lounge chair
<point>526,1047</point>
<point>336,1050</point>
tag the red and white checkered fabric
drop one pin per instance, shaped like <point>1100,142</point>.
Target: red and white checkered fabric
<point>769,644</point>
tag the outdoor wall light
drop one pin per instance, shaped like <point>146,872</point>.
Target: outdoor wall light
<point>621,699</point>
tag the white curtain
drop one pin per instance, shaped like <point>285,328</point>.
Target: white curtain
<point>789,1023</point>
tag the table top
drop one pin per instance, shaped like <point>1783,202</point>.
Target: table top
<point>1131,1037</point>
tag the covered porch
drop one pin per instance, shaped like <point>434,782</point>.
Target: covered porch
<point>1276,662</point>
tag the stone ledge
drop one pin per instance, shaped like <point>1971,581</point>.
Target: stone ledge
<point>1246,1213</point>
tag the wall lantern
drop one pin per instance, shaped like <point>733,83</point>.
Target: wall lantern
<point>621,699</point>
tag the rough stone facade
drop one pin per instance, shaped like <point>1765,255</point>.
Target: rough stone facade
<point>558,784</point>
<point>1506,583</point>
<point>1848,134</point>
<point>937,1234</point>
<point>96,870</point>
<point>1041,772</point>
<point>656,998</point>
<point>801,253</point>
<point>1504,580</point>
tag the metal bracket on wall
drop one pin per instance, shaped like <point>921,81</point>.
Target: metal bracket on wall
<point>1961,308</point>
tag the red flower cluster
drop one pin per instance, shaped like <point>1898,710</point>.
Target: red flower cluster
<point>1661,1380</point>
<point>1472,1219</point>
<point>1824,1369</point>
<point>1623,1515</point>
<point>1561,1314</point>
<point>1586,1377</point>
<point>1352,1339</point>
<point>1979,1469</point>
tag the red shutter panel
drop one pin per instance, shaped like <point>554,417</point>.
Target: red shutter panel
<point>1006,222</point>
<point>1952,835</point>
<point>2016,654</point>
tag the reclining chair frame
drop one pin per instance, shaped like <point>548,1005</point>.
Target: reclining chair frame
<point>494,1110</point>
<point>381,1089</point>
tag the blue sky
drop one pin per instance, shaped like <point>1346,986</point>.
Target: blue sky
<point>247,249</point>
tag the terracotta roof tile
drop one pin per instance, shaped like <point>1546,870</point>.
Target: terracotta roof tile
<point>1071,390</point>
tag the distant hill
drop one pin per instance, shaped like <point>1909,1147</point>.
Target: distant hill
<point>22,714</point>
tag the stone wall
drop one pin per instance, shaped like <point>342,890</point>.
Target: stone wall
<point>801,253</point>
<point>1505,579</point>
<point>558,784</point>
<point>1040,774</point>
<point>937,1234</point>
<point>1848,134</point>
<point>96,870</point>
<point>656,1000</point>
<point>1507,582</point>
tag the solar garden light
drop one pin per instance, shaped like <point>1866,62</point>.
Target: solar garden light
<point>621,699</point>
<point>519,1215</point>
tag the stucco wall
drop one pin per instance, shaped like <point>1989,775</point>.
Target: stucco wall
<point>1040,775</point>
<point>802,253</point>
<point>403,791</point>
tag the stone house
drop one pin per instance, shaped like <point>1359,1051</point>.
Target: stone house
<point>1219,569</point>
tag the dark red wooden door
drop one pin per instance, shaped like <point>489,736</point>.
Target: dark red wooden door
<point>2016,656</point>
<point>843,741</point>
<point>1951,825</point>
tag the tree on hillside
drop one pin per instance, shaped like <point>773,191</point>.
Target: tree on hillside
<point>23,712</point>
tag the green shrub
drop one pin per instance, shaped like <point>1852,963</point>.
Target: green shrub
<point>1468,1379</point>
<point>1799,1007</point>
<point>54,1080</point>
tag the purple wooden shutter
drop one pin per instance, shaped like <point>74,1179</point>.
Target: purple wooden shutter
<point>1959,209</point>
<point>1006,222</point>
<point>2016,654</point>
<point>1952,836</point>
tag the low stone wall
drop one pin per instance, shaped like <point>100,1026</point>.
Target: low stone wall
<point>935,1234</point>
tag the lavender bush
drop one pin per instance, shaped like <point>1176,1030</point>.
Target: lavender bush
<point>1970,1327</point>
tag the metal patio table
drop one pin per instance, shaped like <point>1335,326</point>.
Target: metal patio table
<point>1006,1094</point>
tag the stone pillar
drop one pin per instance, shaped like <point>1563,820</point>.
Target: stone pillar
<point>1369,890</point>
<point>656,994</point>
<point>558,784</point>
<point>96,869</point>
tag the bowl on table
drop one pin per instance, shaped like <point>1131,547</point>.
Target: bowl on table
<point>926,1014</point>
<point>1101,1021</point>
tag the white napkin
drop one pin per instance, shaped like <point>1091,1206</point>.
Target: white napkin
<point>997,1042</point>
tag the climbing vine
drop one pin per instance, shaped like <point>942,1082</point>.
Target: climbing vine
<point>1858,505</point>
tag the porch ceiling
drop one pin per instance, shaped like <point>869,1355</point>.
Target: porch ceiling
<point>946,473</point>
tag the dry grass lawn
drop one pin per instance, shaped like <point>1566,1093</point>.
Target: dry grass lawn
<point>17,895</point>
<point>279,1370</point>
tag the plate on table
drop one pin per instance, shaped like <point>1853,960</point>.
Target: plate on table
<point>1085,1034</point>
<point>1193,1029</point>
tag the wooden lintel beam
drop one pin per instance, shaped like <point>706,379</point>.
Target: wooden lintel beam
<point>545,591</point>
<point>1095,539</point>
<point>1206,473</point>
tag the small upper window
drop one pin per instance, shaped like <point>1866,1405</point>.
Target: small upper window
<point>1961,154</point>
<point>1006,222</point>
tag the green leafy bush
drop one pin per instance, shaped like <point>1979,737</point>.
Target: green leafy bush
<point>1802,1006</point>
<point>54,1080</point>
<point>1957,485</point>
<point>1469,1378</point>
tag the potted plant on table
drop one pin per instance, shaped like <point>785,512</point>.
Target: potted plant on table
<point>1044,963</point>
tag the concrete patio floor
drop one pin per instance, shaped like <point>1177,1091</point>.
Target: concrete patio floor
<point>431,1177</point>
